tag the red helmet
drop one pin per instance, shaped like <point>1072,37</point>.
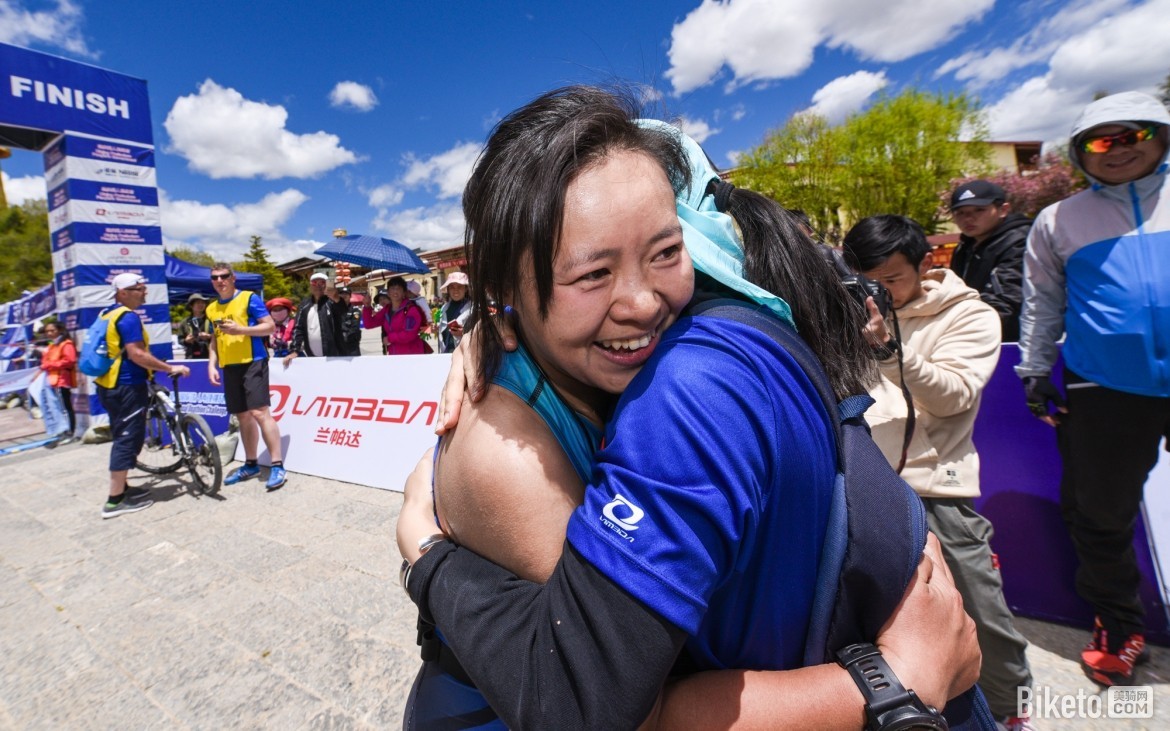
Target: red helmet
<point>279,302</point>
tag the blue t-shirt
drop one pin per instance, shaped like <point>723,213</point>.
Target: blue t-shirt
<point>256,311</point>
<point>710,500</point>
<point>130,331</point>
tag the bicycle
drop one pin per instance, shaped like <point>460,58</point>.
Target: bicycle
<point>193,444</point>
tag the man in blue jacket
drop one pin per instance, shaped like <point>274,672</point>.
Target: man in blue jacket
<point>1097,270</point>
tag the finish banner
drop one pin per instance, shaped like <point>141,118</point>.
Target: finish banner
<point>365,420</point>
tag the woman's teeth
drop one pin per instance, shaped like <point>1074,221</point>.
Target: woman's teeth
<point>634,344</point>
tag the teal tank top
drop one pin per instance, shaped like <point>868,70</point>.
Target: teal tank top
<point>578,437</point>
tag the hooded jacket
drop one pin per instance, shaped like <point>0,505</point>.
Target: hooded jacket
<point>995,269</point>
<point>950,346</point>
<point>1097,269</point>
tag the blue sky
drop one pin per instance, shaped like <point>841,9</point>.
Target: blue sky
<point>290,119</point>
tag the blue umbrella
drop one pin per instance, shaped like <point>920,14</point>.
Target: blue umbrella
<point>373,252</point>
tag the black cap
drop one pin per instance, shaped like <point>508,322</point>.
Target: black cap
<point>977,193</point>
<point>343,290</point>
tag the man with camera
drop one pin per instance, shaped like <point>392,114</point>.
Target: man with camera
<point>1097,270</point>
<point>935,361</point>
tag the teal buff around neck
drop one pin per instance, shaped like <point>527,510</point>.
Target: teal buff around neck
<point>711,237</point>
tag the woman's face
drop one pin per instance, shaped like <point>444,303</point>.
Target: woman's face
<point>279,314</point>
<point>397,294</point>
<point>51,332</point>
<point>456,291</point>
<point>620,278</point>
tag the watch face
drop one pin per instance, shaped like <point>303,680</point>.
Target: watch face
<point>908,717</point>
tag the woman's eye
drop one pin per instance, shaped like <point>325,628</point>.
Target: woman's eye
<point>669,253</point>
<point>593,276</point>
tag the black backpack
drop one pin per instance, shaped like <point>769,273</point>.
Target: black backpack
<point>877,524</point>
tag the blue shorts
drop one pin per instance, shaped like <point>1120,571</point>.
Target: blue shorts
<point>126,406</point>
<point>440,701</point>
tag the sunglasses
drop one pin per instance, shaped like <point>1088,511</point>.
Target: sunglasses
<point>1105,143</point>
<point>215,277</point>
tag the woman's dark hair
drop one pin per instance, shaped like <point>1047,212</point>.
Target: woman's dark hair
<point>876,238</point>
<point>514,202</point>
<point>395,282</point>
<point>781,258</point>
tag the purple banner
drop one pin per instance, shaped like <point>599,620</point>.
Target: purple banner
<point>1020,472</point>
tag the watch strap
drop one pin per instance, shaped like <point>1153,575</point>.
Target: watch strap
<point>888,704</point>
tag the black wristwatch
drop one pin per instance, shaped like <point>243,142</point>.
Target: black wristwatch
<point>888,705</point>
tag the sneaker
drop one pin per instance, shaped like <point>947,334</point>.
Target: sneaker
<point>276,479</point>
<point>240,474</point>
<point>136,494</point>
<point>112,510</point>
<point>1015,723</point>
<point>1110,659</point>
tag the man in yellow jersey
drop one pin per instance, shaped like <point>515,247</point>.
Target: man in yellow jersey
<point>241,323</point>
<point>123,391</point>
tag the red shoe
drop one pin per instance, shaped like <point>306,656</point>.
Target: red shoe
<point>1110,662</point>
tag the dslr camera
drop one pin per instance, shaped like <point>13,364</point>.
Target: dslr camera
<point>860,288</point>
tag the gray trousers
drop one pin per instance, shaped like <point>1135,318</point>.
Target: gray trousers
<point>964,535</point>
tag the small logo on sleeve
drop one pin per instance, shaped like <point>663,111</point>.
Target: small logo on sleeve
<point>621,516</point>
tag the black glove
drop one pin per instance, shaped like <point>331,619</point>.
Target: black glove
<point>1039,391</point>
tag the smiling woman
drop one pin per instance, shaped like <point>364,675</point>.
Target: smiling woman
<point>704,516</point>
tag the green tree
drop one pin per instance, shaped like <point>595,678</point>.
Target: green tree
<point>800,165</point>
<point>894,157</point>
<point>24,238</point>
<point>256,260</point>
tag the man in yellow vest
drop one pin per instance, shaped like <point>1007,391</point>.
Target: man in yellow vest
<point>123,390</point>
<point>241,323</point>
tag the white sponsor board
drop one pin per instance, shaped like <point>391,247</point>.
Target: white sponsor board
<point>103,296</point>
<point>107,255</point>
<point>120,214</point>
<point>101,171</point>
<point>365,420</point>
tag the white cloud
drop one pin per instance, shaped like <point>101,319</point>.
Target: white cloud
<point>696,129</point>
<point>352,95</point>
<point>846,94</point>
<point>764,40</point>
<point>224,135</point>
<point>384,196</point>
<point>435,227</point>
<point>225,231</point>
<point>983,66</point>
<point>1124,51</point>
<point>22,190</point>
<point>58,28</point>
<point>447,172</point>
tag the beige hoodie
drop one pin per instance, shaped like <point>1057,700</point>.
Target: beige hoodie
<point>951,344</point>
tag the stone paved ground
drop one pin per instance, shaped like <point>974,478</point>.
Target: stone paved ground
<point>260,611</point>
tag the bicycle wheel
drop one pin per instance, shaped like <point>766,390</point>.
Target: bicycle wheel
<point>158,454</point>
<point>202,457</point>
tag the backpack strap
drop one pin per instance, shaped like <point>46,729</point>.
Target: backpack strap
<point>876,526</point>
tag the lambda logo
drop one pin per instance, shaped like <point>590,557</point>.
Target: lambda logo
<point>627,522</point>
<point>386,411</point>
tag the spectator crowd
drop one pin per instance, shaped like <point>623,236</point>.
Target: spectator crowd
<point>1093,270</point>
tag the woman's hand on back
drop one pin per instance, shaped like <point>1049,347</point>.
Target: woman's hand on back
<point>930,642</point>
<point>463,378</point>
